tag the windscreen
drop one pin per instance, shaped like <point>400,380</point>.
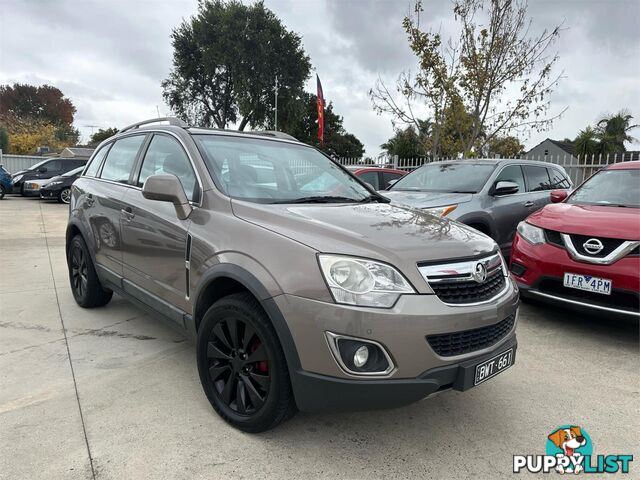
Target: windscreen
<point>616,188</point>
<point>267,171</point>
<point>446,177</point>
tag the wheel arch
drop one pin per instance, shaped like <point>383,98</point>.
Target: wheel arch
<point>224,279</point>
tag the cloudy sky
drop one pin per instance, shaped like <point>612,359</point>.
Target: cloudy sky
<point>110,56</point>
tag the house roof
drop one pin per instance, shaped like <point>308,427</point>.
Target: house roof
<point>77,152</point>
<point>568,147</point>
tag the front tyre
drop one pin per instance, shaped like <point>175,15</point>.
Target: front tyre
<point>2,192</point>
<point>87,290</point>
<point>242,367</point>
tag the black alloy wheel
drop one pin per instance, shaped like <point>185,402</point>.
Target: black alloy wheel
<point>87,290</point>
<point>238,366</point>
<point>79,273</point>
<point>242,367</point>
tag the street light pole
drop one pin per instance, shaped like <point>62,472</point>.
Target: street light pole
<point>276,112</point>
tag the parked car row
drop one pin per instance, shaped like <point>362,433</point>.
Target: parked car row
<point>44,170</point>
<point>49,179</point>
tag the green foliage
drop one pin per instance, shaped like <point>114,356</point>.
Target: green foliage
<point>504,147</point>
<point>609,135</point>
<point>495,76</point>
<point>36,116</point>
<point>102,134</point>
<point>298,117</point>
<point>405,143</point>
<point>4,139</point>
<point>587,142</point>
<point>613,132</point>
<point>225,62</point>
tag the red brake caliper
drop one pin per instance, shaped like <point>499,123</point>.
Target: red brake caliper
<point>262,366</point>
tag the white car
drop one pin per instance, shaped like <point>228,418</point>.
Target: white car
<point>32,187</point>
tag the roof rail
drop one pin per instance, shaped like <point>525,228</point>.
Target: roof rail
<point>172,121</point>
<point>275,133</point>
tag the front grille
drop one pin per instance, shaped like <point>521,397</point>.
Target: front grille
<point>459,343</point>
<point>620,299</point>
<point>609,244</point>
<point>469,291</point>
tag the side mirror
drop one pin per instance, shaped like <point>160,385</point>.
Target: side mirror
<point>42,170</point>
<point>505,188</point>
<point>167,188</point>
<point>391,183</point>
<point>558,196</point>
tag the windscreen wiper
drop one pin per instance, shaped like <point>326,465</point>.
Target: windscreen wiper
<point>319,199</point>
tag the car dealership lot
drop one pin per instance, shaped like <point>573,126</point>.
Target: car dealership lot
<point>143,413</point>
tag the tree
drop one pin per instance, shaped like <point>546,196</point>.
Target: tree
<point>405,143</point>
<point>504,147</point>
<point>30,113</point>
<point>225,62</point>
<point>496,69</point>
<point>614,131</point>
<point>102,134</point>
<point>587,142</point>
<point>299,118</point>
<point>4,139</point>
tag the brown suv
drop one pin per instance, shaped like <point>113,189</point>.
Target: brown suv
<point>304,287</point>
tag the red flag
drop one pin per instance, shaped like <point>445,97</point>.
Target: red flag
<point>320,105</point>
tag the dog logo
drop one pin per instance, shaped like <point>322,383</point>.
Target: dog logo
<point>569,449</point>
<point>593,246</point>
<point>571,441</point>
<point>479,273</point>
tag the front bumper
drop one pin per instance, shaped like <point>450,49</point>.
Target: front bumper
<point>546,265</point>
<point>49,193</point>
<point>318,393</point>
<point>321,383</point>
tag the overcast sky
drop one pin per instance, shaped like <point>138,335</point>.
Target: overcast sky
<point>110,56</point>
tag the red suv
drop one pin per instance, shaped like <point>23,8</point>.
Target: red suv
<point>584,250</point>
<point>379,178</point>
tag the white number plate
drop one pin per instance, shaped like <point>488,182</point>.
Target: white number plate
<point>588,283</point>
<point>491,368</point>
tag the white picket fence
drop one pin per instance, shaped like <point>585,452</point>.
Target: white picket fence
<point>579,168</point>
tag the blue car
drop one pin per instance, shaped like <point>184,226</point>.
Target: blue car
<point>5,182</point>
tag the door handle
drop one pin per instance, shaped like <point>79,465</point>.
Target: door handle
<point>529,204</point>
<point>127,213</point>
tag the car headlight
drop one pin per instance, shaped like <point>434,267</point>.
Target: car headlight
<point>531,233</point>
<point>358,281</point>
<point>17,178</point>
<point>52,184</point>
<point>442,211</point>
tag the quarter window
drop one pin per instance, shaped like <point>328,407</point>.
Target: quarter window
<point>166,156</point>
<point>512,173</point>
<point>558,180</point>
<point>537,178</point>
<point>93,167</point>
<point>121,158</point>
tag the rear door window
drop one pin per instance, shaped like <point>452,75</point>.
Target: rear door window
<point>537,178</point>
<point>371,178</point>
<point>121,158</point>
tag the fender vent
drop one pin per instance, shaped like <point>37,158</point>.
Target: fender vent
<point>187,262</point>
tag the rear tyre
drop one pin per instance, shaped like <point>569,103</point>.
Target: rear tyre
<point>65,195</point>
<point>87,290</point>
<point>242,367</point>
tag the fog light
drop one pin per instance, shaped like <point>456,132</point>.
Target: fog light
<point>361,356</point>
